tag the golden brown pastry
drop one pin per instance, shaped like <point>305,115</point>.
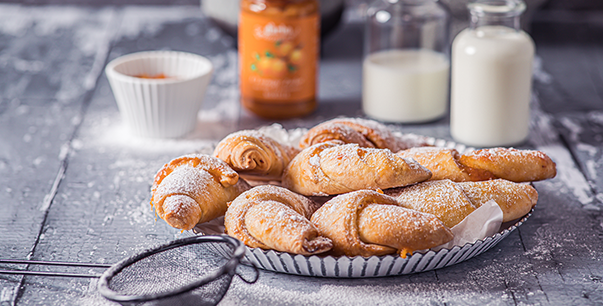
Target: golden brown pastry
<point>507,163</point>
<point>366,133</point>
<point>511,164</point>
<point>193,189</point>
<point>329,168</point>
<point>514,199</point>
<point>255,155</point>
<point>444,164</point>
<point>445,199</point>
<point>368,223</point>
<point>272,217</point>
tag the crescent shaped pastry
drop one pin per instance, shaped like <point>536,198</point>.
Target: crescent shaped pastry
<point>193,189</point>
<point>367,223</point>
<point>364,132</point>
<point>330,168</point>
<point>514,199</point>
<point>255,155</point>
<point>444,199</point>
<point>444,164</point>
<point>272,217</point>
<point>512,164</point>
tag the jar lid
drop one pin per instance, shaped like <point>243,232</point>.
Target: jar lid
<point>497,7</point>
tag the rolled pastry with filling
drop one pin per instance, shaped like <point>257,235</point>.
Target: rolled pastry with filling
<point>272,217</point>
<point>364,132</point>
<point>511,164</point>
<point>506,163</point>
<point>514,199</point>
<point>444,164</point>
<point>367,223</point>
<point>193,189</point>
<point>330,168</point>
<point>254,155</point>
<point>444,199</point>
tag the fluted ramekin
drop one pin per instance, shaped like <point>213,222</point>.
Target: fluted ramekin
<point>159,93</point>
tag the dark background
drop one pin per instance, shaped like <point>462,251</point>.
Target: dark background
<point>550,5</point>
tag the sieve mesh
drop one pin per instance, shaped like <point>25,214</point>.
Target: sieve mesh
<point>169,270</point>
<point>192,271</point>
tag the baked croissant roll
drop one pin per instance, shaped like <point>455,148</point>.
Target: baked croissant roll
<point>193,189</point>
<point>255,155</point>
<point>506,163</point>
<point>511,164</point>
<point>514,199</point>
<point>272,217</point>
<point>367,223</point>
<point>444,164</point>
<point>366,133</point>
<point>330,168</point>
<point>444,199</point>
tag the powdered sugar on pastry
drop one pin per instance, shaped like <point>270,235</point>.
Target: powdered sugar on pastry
<point>443,198</point>
<point>514,199</point>
<point>329,168</point>
<point>255,155</point>
<point>364,132</point>
<point>511,164</point>
<point>367,223</point>
<point>194,189</point>
<point>272,217</point>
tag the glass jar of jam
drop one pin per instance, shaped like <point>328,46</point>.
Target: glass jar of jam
<point>278,57</point>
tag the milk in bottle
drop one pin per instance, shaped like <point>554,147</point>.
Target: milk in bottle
<point>491,76</point>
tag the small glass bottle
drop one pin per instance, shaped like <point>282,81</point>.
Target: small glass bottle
<point>278,57</point>
<point>491,76</point>
<point>406,66</point>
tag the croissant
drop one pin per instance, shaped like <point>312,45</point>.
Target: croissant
<point>255,155</point>
<point>514,199</point>
<point>366,133</point>
<point>329,168</point>
<point>444,199</point>
<point>193,189</point>
<point>272,217</point>
<point>444,164</point>
<point>512,164</point>
<point>368,223</point>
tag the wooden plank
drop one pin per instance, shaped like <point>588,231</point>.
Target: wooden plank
<point>42,98</point>
<point>101,212</point>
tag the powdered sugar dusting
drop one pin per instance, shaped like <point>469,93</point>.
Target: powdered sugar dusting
<point>444,199</point>
<point>569,175</point>
<point>184,180</point>
<point>110,132</point>
<point>288,137</point>
<point>314,160</point>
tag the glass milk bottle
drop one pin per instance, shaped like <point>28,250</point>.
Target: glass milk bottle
<point>406,67</point>
<point>491,76</point>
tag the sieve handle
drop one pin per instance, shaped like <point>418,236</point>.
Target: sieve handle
<point>51,263</point>
<point>43,273</point>
<point>254,279</point>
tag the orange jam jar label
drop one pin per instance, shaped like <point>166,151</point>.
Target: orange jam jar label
<point>278,56</point>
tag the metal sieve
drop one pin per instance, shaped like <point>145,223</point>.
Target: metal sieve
<point>192,271</point>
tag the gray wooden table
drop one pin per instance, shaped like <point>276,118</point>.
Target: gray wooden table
<point>74,186</point>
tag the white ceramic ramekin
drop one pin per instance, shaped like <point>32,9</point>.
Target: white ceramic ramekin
<point>159,107</point>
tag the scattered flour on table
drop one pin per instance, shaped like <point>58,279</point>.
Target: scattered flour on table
<point>328,292</point>
<point>569,176</point>
<point>574,128</point>
<point>149,20</point>
<point>596,117</point>
<point>114,134</point>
